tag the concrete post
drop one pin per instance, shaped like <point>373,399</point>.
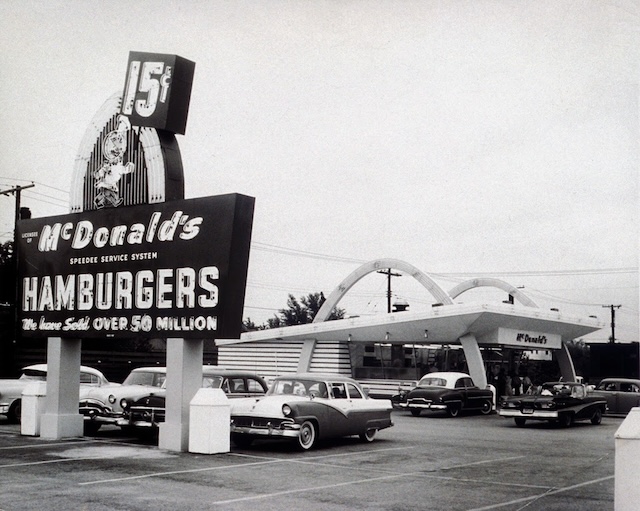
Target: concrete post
<point>567,369</point>
<point>627,463</point>
<point>61,418</point>
<point>184,378</point>
<point>474,360</point>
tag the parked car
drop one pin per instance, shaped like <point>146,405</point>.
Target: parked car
<point>561,402</point>
<point>451,392</point>
<point>146,413</point>
<point>307,407</point>
<point>104,405</point>
<point>11,389</point>
<point>621,394</point>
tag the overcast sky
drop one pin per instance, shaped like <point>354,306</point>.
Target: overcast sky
<point>479,138</point>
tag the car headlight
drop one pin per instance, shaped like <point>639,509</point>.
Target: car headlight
<point>286,410</point>
<point>112,399</point>
<point>123,403</point>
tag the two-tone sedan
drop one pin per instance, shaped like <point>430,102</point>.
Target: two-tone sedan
<point>101,406</point>
<point>449,392</point>
<point>621,394</point>
<point>145,414</point>
<point>560,402</point>
<point>11,389</point>
<point>305,408</point>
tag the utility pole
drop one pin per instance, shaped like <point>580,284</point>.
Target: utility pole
<point>389,274</point>
<point>8,350</point>
<point>613,308</point>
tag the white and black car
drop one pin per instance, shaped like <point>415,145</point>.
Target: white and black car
<point>307,407</point>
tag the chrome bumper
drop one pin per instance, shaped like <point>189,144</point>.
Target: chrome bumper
<point>534,414</point>
<point>289,431</point>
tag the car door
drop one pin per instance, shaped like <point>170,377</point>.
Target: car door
<point>628,396</point>
<point>340,421</point>
<point>462,390</point>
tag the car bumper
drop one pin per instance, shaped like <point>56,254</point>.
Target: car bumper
<point>534,414</point>
<point>288,430</point>
<point>423,406</point>
<point>98,416</point>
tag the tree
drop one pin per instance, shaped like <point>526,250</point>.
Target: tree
<point>298,312</point>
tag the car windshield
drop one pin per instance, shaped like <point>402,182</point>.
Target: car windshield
<point>298,387</point>
<point>432,382</point>
<point>149,378</point>
<point>553,389</point>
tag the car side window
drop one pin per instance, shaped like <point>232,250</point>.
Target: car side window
<point>610,386</point>
<point>338,390</point>
<point>628,387</point>
<point>459,384</point>
<point>254,386</point>
<point>354,393</point>
<point>88,379</point>
<point>237,385</point>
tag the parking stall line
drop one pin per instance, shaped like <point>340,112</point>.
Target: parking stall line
<point>552,491</point>
<point>44,462</point>
<point>429,474</point>
<point>176,472</point>
<point>36,446</point>
<point>310,489</point>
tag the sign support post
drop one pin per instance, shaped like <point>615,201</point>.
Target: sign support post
<point>61,418</point>
<point>184,377</point>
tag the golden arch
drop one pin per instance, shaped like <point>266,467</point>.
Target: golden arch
<point>490,282</point>
<point>372,266</point>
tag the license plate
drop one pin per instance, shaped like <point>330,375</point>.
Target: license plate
<point>527,410</point>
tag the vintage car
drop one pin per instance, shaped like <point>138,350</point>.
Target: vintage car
<point>307,407</point>
<point>621,394</point>
<point>101,406</point>
<point>561,402</point>
<point>451,392</point>
<point>146,413</point>
<point>11,390</point>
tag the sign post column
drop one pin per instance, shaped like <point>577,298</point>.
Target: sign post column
<point>61,418</point>
<point>184,378</point>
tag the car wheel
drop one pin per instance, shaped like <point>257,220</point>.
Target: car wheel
<point>307,436</point>
<point>415,412</point>
<point>565,420</point>
<point>91,428</point>
<point>15,412</point>
<point>453,410</point>
<point>241,440</point>
<point>368,435</point>
<point>487,408</point>
<point>597,417</point>
<point>520,421</point>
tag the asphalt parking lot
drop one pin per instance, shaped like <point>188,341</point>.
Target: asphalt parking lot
<point>423,463</point>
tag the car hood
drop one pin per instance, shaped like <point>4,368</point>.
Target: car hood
<point>118,391</point>
<point>14,387</point>
<point>268,406</point>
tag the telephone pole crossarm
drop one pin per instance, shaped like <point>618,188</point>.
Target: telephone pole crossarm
<point>613,308</point>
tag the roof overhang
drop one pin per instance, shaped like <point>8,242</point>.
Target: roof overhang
<point>441,325</point>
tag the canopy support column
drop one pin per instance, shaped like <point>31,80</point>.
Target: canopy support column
<point>567,369</point>
<point>474,360</point>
